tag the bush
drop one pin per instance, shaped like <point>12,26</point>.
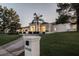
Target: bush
<point>11,33</point>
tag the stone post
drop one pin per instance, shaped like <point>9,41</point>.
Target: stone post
<point>32,45</point>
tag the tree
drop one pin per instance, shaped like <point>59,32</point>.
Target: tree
<point>62,19</point>
<point>9,20</point>
<point>63,8</point>
<point>63,13</point>
<point>71,10</point>
<point>37,19</point>
<point>76,7</point>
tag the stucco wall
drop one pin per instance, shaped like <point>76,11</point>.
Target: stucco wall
<point>62,27</point>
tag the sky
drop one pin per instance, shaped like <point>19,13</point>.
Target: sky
<point>26,11</point>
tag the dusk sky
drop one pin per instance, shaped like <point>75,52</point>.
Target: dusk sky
<point>26,10</point>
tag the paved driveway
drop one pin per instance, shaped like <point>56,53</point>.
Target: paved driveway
<point>13,48</point>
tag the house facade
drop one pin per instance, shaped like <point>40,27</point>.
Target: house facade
<point>48,28</point>
<point>38,25</point>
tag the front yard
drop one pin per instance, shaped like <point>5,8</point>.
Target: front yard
<point>60,44</point>
<point>4,38</point>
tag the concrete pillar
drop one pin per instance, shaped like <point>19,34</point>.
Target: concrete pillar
<point>32,45</point>
<point>49,27</point>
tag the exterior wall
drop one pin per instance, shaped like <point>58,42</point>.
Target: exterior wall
<point>50,27</point>
<point>73,27</point>
<point>47,27</point>
<point>39,28</point>
<point>22,30</point>
<point>63,27</point>
<point>60,27</point>
<point>73,24</point>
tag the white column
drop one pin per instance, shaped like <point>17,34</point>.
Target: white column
<point>49,27</point>
<point>32,45</point>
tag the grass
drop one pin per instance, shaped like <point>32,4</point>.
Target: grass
<point>60,44</point>
<point>7,38</point>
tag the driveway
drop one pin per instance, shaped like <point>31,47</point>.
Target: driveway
<point>13,48</point>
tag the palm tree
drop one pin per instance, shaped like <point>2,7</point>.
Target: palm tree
<point>37,18</point>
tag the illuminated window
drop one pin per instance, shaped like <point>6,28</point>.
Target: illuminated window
<point>43,28</point>
<point>32,28</point>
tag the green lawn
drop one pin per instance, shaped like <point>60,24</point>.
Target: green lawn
<point>60,44</point>
<point>7,38</point>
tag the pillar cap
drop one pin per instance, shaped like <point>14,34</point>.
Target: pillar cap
<point>32,37</point>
